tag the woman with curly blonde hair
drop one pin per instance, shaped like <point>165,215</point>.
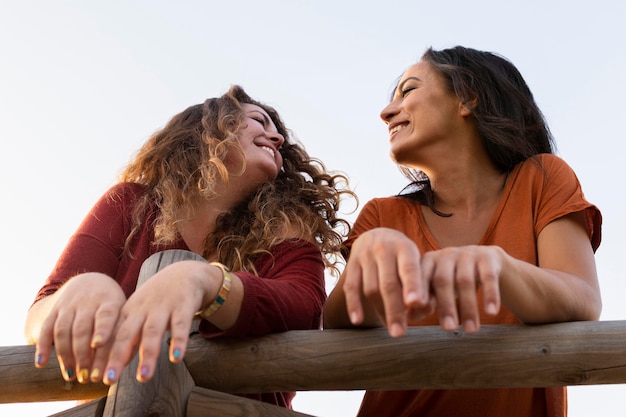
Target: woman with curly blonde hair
<point>223,180</point>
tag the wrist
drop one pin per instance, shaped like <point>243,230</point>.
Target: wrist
<point>222,293</point>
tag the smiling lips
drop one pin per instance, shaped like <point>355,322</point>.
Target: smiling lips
<point>397,128</point>
<point>268,150</point>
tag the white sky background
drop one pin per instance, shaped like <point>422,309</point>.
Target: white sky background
<point>84,83</point>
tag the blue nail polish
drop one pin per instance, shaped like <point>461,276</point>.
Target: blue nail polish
<point>144,371</point>
<point>176,354</point>
<point>69,373</point>
<point>38,359</point>
<point>111,374</point>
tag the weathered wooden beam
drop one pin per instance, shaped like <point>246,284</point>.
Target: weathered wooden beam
<point>21,382</point>
<point>204,402</point>
<point>580,353</point>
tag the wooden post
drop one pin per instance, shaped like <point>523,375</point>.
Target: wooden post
<point>204,402</point>
<point>167,392</point>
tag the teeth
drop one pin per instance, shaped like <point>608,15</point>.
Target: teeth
<point>396,128</point>
<point>268,150</point>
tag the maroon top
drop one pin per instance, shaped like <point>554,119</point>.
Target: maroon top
<point>287,294</point>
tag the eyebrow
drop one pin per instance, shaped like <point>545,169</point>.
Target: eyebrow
<point>266,119</point>
<point>401,84</point>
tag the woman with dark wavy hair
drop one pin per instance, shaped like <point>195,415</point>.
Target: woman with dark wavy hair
<point>493,228</point>
<point>222,179</point>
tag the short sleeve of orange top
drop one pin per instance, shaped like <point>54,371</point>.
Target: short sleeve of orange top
<point>538,191</point>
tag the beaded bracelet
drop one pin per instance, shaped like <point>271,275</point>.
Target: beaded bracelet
<point>221,295</point>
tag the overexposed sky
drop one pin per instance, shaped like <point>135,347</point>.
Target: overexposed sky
<point>84,83</point>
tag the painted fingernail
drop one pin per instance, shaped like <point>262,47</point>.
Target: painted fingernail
<point>38,359</point>
<point>95,374</point>
<point>176,354</point>
<point>69,374</point>
<point>97,340</point>
<point>83,375</point>
<point>144,372</point>
<point>111,374</point>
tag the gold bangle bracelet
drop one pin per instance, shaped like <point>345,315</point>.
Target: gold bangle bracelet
<point>221,295</point>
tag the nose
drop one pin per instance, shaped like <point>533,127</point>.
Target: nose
<point>276,138</point>
<point>389,111</point>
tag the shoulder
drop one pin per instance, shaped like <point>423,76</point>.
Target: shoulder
<point>545,169</point>
<point>545,164</point>
<point>125,191</point>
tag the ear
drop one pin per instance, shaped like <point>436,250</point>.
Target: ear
<point>466,108</point>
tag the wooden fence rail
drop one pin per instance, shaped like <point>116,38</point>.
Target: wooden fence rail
<point>580,353</point>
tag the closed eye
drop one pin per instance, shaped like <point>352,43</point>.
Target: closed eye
<point>406,91</point>
<point>260,120</point>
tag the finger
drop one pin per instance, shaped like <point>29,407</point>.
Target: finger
<point>352,288</point>
<point>489,273</point>
<point>391,292</point>
<point>179,334</point>
<point>99,361</point>
<point>105,321</point>
<point>82,330</point>
<point>63,344</point>
<point>45,340</point>
<point>467,303</point>
<point>415,289</point>
<point>440,270</point>
<point>127,337</point>
<point>152,336</point>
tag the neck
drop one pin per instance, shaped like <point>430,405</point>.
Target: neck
<point>467,190</point>
<point>198,222</point>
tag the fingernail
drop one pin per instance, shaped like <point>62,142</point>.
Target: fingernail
<point>111,374</point>
<point>470,326</point>
<point>97,339</point>
<point>492,309</point>
<point>449,323</point>
<point>412,297</point>
<point>396,330</point>
<point>176,354</point>
<point>95,374</point>
<point>144,372</point>
<point>69,374</point>
<point>83,375</point>
<point>354,318</point>
<point>38,359</point>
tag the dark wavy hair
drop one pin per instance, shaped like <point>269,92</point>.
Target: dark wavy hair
<point>184,161</point>
<point>510,123</point>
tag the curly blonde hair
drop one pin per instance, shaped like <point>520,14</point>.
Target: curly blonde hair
<point>184,161</point>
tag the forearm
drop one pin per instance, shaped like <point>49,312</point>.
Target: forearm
<point>540,295</point>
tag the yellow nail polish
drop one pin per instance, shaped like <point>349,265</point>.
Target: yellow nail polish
<point>83,375</point>
<point>95,374</point>
<point>97,339</point>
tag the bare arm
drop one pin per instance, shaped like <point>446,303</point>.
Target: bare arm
<point>565,285</point>
<point>387,281</point>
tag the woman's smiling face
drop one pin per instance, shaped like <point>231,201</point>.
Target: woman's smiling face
<point>260,142</point>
